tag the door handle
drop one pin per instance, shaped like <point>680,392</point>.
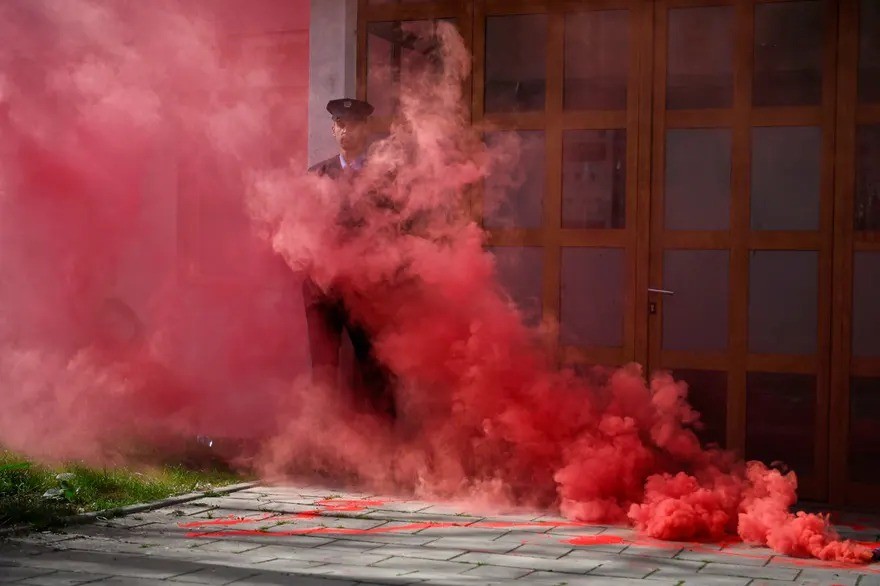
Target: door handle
<point>652,305</point>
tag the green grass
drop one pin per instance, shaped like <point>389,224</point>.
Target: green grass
<point>30,493</point>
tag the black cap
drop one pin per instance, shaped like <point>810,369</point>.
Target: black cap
<point>349,109</point>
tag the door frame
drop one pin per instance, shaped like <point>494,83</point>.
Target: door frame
<point>835,241</point>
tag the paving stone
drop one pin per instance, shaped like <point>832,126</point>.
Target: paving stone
<point>64,579</point>
<point>680,575</point>
<point>464,580</point>
<point>267,538</point>
<point>767,572</point>
<point>10,573</point>
<point>568,531</point>
<point>662,551</point>
<point>214,575</point>
<point>700,555</point>
<point>418,552</point>
<point>282,579</point>
<point>407,565</point>
<point>521,536</point>
<point>350,545</point>
<point>224,546</point>
<point>133,566</point>
<point>420,517</point>
<point>130,581</point>
<point>751,550</point>
<point>634,567</point>
<point>319,555</point>
<point>497,572</point>
<point>394,538</point>
<point>401,507</point>
<point>827,577</point>
<point>247,559</point>
<point>566,564</point>
<point>542,578</point>
<point>543,550</point>
<point>472,543</point>
<point>366,574</point>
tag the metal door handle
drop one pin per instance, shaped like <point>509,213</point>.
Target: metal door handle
<point>661,291</point>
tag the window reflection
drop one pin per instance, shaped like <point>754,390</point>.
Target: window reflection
<point>516,62</point>
<point>594,179</point>
<point>699,69</point>
<point>786,174</point>
<point>697,191</point>
<point>597,46</point>
<point>783,301</point>
<point>867,197</point>
<point>518,269</point>
<point>869,51</point>
<point>788,439</point>
<point>592,296</point>
<point>788,54</point>
<point>514,195</point>
<point>396,52</point>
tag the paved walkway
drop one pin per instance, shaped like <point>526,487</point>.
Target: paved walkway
<point>313,536</point>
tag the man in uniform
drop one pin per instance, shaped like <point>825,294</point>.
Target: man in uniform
<point>327,316</point>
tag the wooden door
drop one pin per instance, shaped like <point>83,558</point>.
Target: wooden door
<point>741,221</point>
<point>855,408</point>
<point>700,194</point>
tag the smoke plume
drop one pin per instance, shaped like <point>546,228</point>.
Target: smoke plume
<point>106,341</point>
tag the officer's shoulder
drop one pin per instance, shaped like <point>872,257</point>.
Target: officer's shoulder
<point>324,166</point>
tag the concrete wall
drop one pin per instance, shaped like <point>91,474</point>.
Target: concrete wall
<point>332,68</point>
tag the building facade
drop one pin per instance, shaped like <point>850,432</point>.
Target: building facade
<point>702,195</point>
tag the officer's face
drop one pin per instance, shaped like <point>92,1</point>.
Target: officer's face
<point>350,134</point>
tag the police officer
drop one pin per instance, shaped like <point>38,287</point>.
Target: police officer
<point>326,313</point>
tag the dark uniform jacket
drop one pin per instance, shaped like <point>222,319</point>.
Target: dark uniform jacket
<point>331,167</point>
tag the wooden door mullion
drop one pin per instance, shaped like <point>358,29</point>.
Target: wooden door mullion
<point>844,188</point>
<point>553,180</point>
<point>744,27</point>
<point>643,51</point>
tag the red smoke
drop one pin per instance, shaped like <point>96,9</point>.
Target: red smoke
<point>102,342</point>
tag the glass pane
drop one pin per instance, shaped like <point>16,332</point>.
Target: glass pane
<point>592,296</point>
<point>698,179</point>
<point>786,173</point>
<point>707,393</point>
<point>516,62</point>
<point>780,419</point>
<point>867,204</point>
<point>869,51</point>
<point>596,60</point>
<point>699,68</point>
<point>783,291</point>
<point>695,318</point>
<point>514,196</point>
<point>788,54</point>
<point>594,178</point>
<point>394,51</point>
<point>864,430</point>
<point>866,310</point>
<point>518,270</point>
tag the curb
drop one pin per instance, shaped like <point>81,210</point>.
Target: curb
<point>85,518</point>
